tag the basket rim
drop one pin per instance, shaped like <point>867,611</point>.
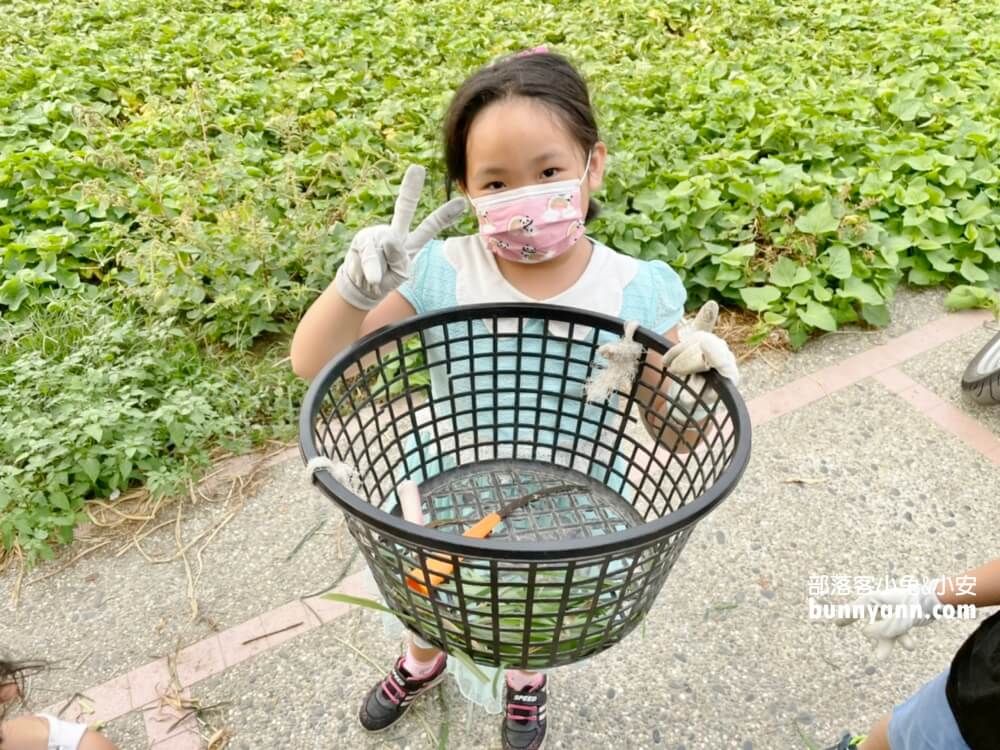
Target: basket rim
<point>566,549</point>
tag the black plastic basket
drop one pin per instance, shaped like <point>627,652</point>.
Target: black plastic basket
<point>483,404</point>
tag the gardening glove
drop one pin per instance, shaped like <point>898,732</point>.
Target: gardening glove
<point>698,350</point>
<point>379,257</point>
<point>910,607</point>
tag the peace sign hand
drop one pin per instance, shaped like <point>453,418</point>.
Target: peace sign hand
<point>379,258</point>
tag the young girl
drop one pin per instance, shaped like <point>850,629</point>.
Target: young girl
<point>40,732</point>
<point>521,143</point>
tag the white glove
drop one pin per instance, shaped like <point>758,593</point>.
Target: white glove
<point>910,607</point>
<point>700,350</point>
<point>379,258</point>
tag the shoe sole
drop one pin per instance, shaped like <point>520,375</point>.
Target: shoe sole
<point>437,681</point>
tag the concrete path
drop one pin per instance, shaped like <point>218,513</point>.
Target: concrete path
<point>867,463</point>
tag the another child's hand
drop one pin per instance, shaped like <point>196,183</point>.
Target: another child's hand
<point>891,614</point>
<point>378,260</point>
<point>700,350</point>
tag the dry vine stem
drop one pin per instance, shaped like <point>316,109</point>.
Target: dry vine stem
<point>134,516</point>
<point>185,707</point>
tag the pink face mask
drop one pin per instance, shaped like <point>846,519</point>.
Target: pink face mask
<point>534,223</point>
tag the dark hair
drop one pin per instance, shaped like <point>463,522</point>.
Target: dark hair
<point>546,77</point>
<point>14,673</point>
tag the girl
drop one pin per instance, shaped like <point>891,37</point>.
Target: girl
<point>41,732</point>
<point>521,143</point>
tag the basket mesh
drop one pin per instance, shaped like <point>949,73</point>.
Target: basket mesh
<point>457,498</point>
<point>481,405</point>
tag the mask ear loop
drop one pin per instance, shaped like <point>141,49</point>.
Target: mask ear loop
<point>586,168</point>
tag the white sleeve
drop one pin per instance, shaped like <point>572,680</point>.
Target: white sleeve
<point>64,735</point>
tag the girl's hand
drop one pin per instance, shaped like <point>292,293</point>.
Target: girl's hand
<point>698,350</point>
<point>701,350</point>
<point>892,613</point>
<point>379,258</point>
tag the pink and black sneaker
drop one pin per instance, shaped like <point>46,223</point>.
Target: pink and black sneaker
<point>524,726</point>
<point>394,695</point>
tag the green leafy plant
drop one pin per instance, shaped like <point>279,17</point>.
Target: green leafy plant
<point>95,400</point>
<point>970,297</point>
<point>804,178</point>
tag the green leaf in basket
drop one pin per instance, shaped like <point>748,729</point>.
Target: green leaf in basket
<point>496,679</point>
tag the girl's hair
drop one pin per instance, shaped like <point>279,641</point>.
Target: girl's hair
<point>545,77</point>
<point>15,673</point>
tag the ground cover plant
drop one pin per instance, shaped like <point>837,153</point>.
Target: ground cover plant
<point>179,181</point>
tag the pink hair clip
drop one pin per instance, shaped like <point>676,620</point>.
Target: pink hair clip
<point>536,51</point>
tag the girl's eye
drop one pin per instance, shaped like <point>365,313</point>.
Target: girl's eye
<point>553,170</point>
<point>490,185</point>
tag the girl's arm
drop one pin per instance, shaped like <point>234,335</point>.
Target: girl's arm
<point>981,586</point>
<point>331,325</point>
<point>32,733</point>
<point>654,418</point>
<point>24,733</point>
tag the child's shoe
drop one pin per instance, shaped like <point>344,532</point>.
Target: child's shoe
<point>524,726</point>
<point>392,696</point>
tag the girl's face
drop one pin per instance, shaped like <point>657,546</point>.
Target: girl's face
<point>517,142</point>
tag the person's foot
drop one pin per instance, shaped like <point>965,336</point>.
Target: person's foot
<point>524,726</point>
<point>847,742</point>
<point>393,696</point>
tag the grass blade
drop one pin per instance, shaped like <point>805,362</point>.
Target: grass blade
<point>360,601</point>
